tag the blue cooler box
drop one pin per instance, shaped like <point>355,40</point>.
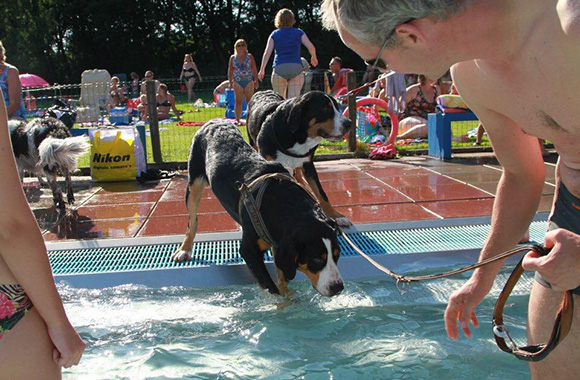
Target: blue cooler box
<point>119,115</point>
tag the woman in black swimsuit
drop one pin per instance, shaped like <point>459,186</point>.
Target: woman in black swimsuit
<point>188,71</point>
<point>165,103</point>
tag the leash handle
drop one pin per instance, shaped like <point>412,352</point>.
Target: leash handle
<point>562,323</point>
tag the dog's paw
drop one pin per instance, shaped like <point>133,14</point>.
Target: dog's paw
<point>181,255</point>
<point>343,221</point>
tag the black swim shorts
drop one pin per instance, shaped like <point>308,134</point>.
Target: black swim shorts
<point>566,215</point>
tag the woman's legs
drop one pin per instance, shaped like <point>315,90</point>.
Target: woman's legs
<point>412,127</point>
<point>26,351</point>
<point>295,85</point>
<point>189,84</point>
<point>279,84</point>
<point>239,92</point>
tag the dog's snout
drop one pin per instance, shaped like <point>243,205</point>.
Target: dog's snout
<point>336,288</point>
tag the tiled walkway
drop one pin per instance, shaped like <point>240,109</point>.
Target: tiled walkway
<point>414,188</point>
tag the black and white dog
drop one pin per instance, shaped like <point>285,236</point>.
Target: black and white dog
<point>45,147</point>
<point>301,238</point>
<point>289,131</point>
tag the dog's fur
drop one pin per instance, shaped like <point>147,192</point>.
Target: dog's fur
<point>45,147</point>
<point>297,126</point>
<point>303,239</point>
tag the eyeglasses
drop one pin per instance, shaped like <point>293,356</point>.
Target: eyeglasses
<point>379,63</point>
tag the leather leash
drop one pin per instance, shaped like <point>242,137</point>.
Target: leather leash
<point>536,352</point>
<point>564,317</point>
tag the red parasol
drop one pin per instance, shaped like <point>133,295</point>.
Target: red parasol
<point>32,80</point>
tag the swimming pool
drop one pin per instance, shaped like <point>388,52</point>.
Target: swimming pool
<point>370,331</point>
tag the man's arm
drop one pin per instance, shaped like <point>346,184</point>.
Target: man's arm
<point>516,202</point>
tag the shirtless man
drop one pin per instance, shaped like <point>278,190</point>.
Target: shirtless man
<point>519,67</point>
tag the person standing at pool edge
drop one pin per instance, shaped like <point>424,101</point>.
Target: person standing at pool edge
<point>503,54</point>
<point>36,337</point>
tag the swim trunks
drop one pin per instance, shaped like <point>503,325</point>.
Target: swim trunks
<point>566,215</point>
<point>14,304</point>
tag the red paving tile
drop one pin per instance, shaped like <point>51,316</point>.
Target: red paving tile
<point>120,198</point>
<point>178,207</point>
<point>376,195</point>
<point>123,211</point>
<point>385,213</point>
<point>365,191</point>
<point>442,192</point>
<point>177,225</point>
<point>94,229</point>
<point>461,208</point>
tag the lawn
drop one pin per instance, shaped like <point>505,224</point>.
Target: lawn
<point>176,139</point>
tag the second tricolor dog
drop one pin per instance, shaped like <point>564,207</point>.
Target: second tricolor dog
<point>289,131</point>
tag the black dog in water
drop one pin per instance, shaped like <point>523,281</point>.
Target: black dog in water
<point>302,238</point>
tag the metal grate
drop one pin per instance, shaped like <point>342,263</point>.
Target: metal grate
<point>225,252</point>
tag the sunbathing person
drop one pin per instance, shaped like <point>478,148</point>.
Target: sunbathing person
<point>421,101</point>
<point>165,103</point>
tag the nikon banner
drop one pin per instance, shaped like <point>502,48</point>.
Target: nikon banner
<point>116,154</point>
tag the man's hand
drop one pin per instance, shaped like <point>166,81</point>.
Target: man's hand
<point>561,267</point>
<point>462,304</point>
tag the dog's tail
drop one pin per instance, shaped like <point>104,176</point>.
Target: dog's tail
<point>62,153</point>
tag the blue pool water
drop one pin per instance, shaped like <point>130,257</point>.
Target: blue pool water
<point>370,331</point>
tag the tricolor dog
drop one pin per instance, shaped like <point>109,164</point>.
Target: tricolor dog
<point>46,147</point>
<point>301,237</point>
<point>289,131</point>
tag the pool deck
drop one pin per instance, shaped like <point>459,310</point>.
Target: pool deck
<point>366,191</point>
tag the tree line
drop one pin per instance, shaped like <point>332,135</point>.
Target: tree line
<point>59,39</point>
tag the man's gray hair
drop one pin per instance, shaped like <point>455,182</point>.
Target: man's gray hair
<point>370,21</point>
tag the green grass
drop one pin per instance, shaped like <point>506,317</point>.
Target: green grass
<point>176,139</point>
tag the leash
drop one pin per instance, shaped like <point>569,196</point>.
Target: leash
<point>355,91</point>
<point>537,352</point>
<point>562,323</point>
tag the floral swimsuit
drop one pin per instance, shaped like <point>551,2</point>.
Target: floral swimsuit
<point>14,304</point>
<point>420,106</point>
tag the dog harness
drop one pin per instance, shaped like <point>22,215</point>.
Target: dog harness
<point>253,205</point>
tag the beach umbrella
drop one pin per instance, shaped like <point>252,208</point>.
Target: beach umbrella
<point>32,80</point>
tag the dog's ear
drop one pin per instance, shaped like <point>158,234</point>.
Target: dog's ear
<point>295,111</point>
<point>285,258</point>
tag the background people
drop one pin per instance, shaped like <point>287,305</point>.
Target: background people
<point>134,85</point>
<point>165,103</point>
<point>421,101</point>
<point>11,88</point>
<point>149,76</point>
<point>285,41</point>
<point>242,75</point>
<point>188,71</point>
<point>339,76</point>
<point>36,337</point>
<point>117,93</point>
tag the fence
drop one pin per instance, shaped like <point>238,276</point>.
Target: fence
<point>206,103</point>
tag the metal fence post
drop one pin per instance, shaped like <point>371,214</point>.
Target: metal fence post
<point>351,85</point>
<point>153,121</point>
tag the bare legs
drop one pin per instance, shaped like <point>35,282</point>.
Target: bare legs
<point>288,89</point>
<point>241,94</point>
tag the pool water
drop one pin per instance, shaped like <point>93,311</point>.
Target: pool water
<point>370,331</point>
